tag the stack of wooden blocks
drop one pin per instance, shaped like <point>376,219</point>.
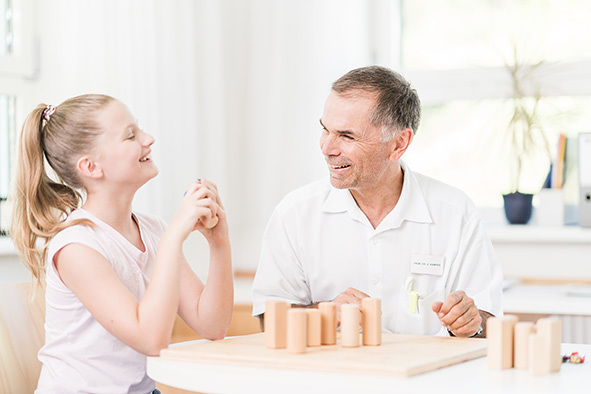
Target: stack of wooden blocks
<point>524,345</point>
<point>299,328</point>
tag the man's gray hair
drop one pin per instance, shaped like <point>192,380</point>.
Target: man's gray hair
<point>397,105</point>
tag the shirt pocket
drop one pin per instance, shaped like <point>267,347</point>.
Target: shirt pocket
<point>423,321</point>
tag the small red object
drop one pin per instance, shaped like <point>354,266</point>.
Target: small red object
<point>574,358</point>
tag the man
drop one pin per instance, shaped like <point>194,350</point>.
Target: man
<point>379,229</point>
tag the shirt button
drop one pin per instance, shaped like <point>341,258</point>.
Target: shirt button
<point>374,281</point>
<point>374,241</point>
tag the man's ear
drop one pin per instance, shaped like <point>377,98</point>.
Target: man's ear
<point>401,141</point>
<point>88,168</point>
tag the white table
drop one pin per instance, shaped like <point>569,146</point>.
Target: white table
<point>469,377</point>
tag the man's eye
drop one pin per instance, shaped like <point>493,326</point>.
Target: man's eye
<point>131,137</point>
<point>347,137</point>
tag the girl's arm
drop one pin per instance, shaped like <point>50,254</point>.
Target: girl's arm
<point>146,325</point>
<point>207,309</point>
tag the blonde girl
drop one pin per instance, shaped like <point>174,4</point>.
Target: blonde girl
<point>115,278</point>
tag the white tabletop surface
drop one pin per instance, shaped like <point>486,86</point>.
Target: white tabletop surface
<point>572,299</point>
<point>469,377</point>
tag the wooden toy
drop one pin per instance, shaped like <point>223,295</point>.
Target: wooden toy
<point>276,324</point>
<point>297,328</point>
<point>551,329</point>
<point>350,319</point>
<point>539,354</point>
<point>399,355</point>
<point>499,333</point>
<point>371,309</point>
<point>314,327</point>
<point>328,314</point>
<point>211,223</point>
<point>522,332</point>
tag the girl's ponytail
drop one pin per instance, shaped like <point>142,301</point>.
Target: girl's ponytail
<point>40,204</point>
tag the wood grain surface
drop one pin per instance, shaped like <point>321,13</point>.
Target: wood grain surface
<point>399,355</point>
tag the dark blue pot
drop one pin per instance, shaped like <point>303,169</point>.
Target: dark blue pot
<point>518,207</point>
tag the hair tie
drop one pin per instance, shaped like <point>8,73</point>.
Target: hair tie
<point>48,111</point>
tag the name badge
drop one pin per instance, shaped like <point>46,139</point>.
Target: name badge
<point>426,264</point>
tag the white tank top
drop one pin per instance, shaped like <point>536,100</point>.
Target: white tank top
<point>79,355</point>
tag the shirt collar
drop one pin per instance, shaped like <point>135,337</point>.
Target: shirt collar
<point>411,206</point>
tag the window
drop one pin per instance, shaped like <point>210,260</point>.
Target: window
<point>456,54</point>
<point>6,28</point>
<point>7,140</point>
<point>17,65</point>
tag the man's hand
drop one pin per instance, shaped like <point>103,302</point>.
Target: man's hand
<point>459,314</point>
<point>349,296</point>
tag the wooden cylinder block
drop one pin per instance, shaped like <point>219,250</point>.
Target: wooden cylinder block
<point>350,319</point>
<point>499,334</point>
<point>276,324</point>
<point>314,327</point>
<point>523,330</point>
<point>372,321</point>
<point>551,328</point>
<point>297,330</point>
<point>539,356</point>
<point>328,315</point>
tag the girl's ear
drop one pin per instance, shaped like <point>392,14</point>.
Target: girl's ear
<point>88,168</point>
<point>402,140</point>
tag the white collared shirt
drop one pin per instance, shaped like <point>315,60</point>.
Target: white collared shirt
<point>318,243</point>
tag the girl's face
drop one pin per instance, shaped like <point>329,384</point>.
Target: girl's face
<point>124,150</point>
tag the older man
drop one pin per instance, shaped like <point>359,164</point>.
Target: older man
<point>377,228</point>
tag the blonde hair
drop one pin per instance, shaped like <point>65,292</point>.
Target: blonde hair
<point>40,205</point>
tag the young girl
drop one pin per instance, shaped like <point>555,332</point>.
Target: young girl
<point>115,279</point>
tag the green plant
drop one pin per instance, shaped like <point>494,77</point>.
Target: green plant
<point>524,133</point>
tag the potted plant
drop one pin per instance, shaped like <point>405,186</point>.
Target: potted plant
<point>525,140</point>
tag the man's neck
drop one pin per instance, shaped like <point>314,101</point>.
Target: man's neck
<point>377,202</point>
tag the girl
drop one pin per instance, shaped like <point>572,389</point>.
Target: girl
<point>115,279</point>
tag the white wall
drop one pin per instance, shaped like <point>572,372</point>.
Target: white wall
<point>231,90</point>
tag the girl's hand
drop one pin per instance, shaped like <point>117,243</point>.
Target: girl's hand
<point>214,227</point>
<point>202,209</point>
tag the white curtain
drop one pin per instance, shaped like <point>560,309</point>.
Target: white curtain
<point>231,90</point>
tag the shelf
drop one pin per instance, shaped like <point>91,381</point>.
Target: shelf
<point>538,234</point>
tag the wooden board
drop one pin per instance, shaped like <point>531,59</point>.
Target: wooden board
<point>399,355</point>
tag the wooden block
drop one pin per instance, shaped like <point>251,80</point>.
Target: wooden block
<point>539,354</point>
<point>211,223</point>
<point>522,332</point>
<point>499,334</point>
<point>552,329</point>
<point>314,327</point>
<point>350,319</point>
<point>276,324</point>
<point>328,315</point>
<point>297,330</point>
<point>372,321</point>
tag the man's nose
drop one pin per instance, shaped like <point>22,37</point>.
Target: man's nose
<point>328,144</point>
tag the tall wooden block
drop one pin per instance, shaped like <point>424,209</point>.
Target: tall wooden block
<point>499,334</point>
<point>552,329</point>
<point>539,354</point>
<point>350,319</point>
<point>297,330</point>
<point>371,309</point>
<point>522,332</point>
<point>328,317</point>
<point>314,327</point>
<point>276,324</point>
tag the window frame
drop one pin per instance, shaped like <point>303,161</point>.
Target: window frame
<point>23,62</point>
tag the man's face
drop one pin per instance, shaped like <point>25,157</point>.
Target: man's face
<point>354,150</point>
